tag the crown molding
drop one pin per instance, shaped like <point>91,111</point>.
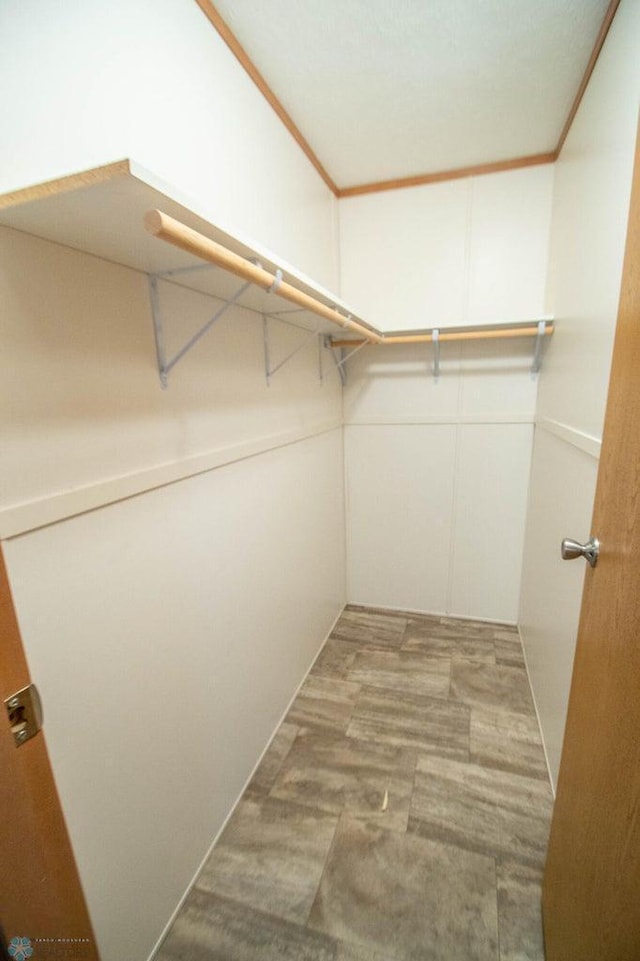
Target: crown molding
<point>441,175</point>
<point>586,77</point>
<point>247,64</point>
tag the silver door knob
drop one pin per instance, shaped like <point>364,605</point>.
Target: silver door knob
<point>571,549</point>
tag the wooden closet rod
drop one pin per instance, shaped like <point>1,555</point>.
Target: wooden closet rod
<point>531,331</point>
<point>178,234</point>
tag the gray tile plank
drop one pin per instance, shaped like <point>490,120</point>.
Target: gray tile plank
<point>424,724</point>
<point>270,857</point>
<point>509,651</point>
<point>366,637</point>
<point>407,898</point>
<point>262,781</point>
<point>508,741</point>
<point>494,812</point>
<point>446,644</point>
<point>367,609</point>
<point>463,625</point>
<point>485,685</point>
<point>375,618</point>
<point>356,633</point>
<point>336,774</point>
<point>520,912</point>
<point>370,628</point>
<point>401,672</point>
<point>448,627</point>
<point>324,703</point>
<point>349,951</point>
<point>436,711</point>
<point>211,928</point>
<point>335,659</point>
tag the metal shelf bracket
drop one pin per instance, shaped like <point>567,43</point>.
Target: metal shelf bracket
<point>435,336</point>
<point>537,355</point>
<point>341,364</point>
<point>269,371</point>
<point>165,365</point>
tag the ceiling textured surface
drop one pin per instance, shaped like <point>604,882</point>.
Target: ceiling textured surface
<point>384,90</point>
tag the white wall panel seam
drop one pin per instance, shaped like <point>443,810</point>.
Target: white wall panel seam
<point>337,243</point>
<point>468,249</point>
<point>548,299</point>
<point>454,488</point>
<point>453,520</point>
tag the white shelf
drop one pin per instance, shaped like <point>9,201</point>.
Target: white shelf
<point>101,212</point>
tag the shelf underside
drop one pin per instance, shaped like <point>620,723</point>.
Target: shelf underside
<point>101,212</point>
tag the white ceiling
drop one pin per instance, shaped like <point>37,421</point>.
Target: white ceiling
<point>389,88</point>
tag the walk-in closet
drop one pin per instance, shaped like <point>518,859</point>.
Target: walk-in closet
<point>318,342</point>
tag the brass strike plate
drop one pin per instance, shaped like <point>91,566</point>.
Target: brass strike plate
<point>24,709</point>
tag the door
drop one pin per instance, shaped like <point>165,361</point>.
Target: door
<point>591,890</point>
<point>40,895</point>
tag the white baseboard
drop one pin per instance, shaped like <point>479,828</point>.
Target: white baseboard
<point>535,705</point>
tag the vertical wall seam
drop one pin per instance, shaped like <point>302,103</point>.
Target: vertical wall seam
<point>456,452</point>
<point>467,249</point>
<point>337,244</point>
<point>346,504</point>
<point>453,517</point>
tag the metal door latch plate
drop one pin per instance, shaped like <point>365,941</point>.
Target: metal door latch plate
<point>24,709</point>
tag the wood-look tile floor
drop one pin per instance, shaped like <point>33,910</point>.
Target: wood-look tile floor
<point>401,812</point>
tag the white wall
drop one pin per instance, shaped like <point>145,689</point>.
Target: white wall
<point>167,631</point>
<point>464,252</point>
<point>80,392</point>
<point>437,473</point>
<point>437,476</point>
<point>152,80</point>
<point>591,198</point>
<point>167,634</point>
<point>137,612</point>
